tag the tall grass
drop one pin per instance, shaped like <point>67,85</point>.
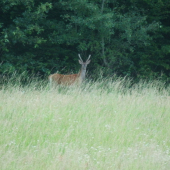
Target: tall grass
<point>107,124</point>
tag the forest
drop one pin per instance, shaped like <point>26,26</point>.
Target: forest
<point>124,37</point>
<point>118,119</point>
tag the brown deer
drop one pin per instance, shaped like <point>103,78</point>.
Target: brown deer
<point>61,79</point>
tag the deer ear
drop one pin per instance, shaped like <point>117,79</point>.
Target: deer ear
<point>80,62</point>
<point>88,61</point>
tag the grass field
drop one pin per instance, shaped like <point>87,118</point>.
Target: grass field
<point>102,126</point>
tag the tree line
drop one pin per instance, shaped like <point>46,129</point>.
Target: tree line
<point>124,37</point>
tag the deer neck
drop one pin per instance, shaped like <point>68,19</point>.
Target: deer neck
<point>82,74</point>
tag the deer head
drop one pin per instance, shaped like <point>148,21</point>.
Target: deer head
<point>84,64</point>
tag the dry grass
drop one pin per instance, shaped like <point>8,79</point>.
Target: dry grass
<point>100,126</point>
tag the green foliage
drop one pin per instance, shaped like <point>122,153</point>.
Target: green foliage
<point>129,38</point>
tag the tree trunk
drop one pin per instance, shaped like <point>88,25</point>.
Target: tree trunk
<point>102,41</point>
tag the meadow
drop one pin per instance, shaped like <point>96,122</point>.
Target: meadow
<point>103,125</point>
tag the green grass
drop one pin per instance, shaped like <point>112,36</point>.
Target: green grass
<point>102,125</point>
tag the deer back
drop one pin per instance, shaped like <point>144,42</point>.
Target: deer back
<point>63,79</point>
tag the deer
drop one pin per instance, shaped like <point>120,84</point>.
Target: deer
<point>61,79</point>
